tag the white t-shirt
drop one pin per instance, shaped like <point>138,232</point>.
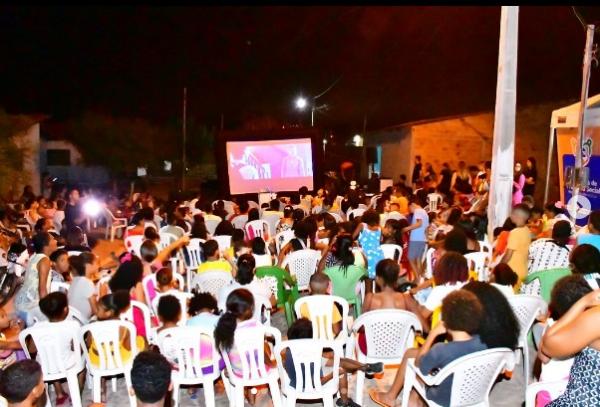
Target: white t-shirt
<point>204,320</point>
<point>418,235</point>
<point>81,289</point>
<point>438,293</point>
<point>256,287</point>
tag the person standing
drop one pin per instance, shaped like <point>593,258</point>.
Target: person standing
<point>530,176</point>
<point>445,179</point>
<point>416,174</point>
<point>73,213</point>
<point>418,240</point>
<point>518,184</point>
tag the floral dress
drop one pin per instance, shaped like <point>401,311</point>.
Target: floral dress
<point>370,241</point>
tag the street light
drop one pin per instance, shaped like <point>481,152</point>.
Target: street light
<point>301,103</point>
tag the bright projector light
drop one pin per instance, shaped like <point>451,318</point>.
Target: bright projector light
<point>92,207</point>
<point>301,103</point>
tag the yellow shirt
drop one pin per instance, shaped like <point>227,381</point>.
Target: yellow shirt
<point>519,240</point>
<point>215,265</point>
<point>402,202</point>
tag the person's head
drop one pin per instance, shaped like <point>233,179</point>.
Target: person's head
<point>60,261</point>
<point>520,215</point>
<point>253,214</point>
<point>456,241</point>
<point>451,268</point>
<point>239,306</point>
<point>288,211</point>
<point>462,312</point>
<point>169,309</point>
<point>274,205</point>
<point>585,259</point>
<point>594,222</point>
<point>43,225</point>
<point>245,269</point>
<point>298,215</point>
<point>199,230</point>
<point>224,228</point>
<point>83,264</point>
<point>148,251</point>
<point>112,305</point>
<point>566,292</point>
<point>517,168</point>
<point>202,302</point>
<point>503,274</point>
<point>342,251</point>
<point>300,329</point>
<point>151,234</point>
<point>164,277</point>
<point>243,206</point>
<point>417,158</point>
<point>371,218</point>
<point>551,210</point>
<point>531,163</point>
<point>75,236</point>
<point>499,327</point>
<point>394,207</point>
<point>258,246</point>
<point>22,383</point>
<point>319,283</point>
<point>454,216</point>
<point>529,201</point>
<point>150,378</point>
<point>210,248</point>
<point>537,213</point>
<point>55,306</point>
<point>44,243</point>
<point>129,273</point>
<point>386,273</point>
<point>74,196</point>
<point>561,232</point>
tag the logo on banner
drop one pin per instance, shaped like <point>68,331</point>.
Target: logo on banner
<point>579,206</point>
<point>586,149</point>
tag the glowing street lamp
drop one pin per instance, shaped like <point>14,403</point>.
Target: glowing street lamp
<point>301,103</point>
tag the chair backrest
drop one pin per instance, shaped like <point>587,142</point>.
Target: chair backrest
<point>106,337</point>
<point>75,315</point>
<point>391,251</point>
<point>354,213</point>
<point>211,225</point>
<point>320,309</point>
<point>134,243</point>
<point>337,217</point>
<point>429,262</point>
<point>389,332</point>
<point>478,262</point>
<point>307,355</point>
<point>257,228</point>
<point>474,375</point>
<point>249,344</point>
<point>194,254</point>
<point>262,310</point>
<point>103,281</point>
<point>110,217</point>
<point>146,315</point>
<point>526,309</point>
<point>150,284</point>
<point>302,264</point>
<point>73,253</point>
<point>391,215</point>
<point>211,281</point>
<point>59,286</point>
<point>434,199</point>
<point>272,219</point>
<point>486,247</point>
<point>554,388</point>
<point>48,338</point>
<point>150,225</point>
<point>187,347</point>
<point>547,279</point>
<point>239,221</point>
<point>283,238</point>
<point>165,240</point>
<point>224,242</point>
<point>181,296</point>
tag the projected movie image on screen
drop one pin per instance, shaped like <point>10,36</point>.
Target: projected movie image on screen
<point>273,165</point>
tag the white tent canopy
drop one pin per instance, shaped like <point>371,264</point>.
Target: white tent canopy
<point>567,118</point>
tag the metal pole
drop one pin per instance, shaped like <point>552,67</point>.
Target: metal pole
<point>587,64</point>
<point>503,150</point>
<point>312,115</point>
<point>549,163</point>
<point>184,130</point>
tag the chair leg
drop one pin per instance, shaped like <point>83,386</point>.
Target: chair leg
<point>175,394</point>
<point>238,396</point>
<point>360,384</point>
<point>275,393</point>
<point>209,393</point>
<point>526,363</point>
<point>74,391</point>
<point>409,380</point>
<point>47,390</point>
<point>288,313</point>
<point>114,384</point>
<point>328,401</point>
<point>132,399</point>
<point>97,388</point>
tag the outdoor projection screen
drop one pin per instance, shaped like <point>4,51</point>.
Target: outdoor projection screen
<point>270,165</point>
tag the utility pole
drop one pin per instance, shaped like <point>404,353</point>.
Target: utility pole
<point>184,131</point>
<point>503,150</point>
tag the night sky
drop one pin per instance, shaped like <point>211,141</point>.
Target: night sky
<point>397,64</point>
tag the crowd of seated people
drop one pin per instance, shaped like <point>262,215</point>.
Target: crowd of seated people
<point>344,243</point>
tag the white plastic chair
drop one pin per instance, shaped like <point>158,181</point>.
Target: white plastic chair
<point>211,281</point>
<point>302,264</point>
<point>477,262</point>
<point>104,280</point>
<point>337,217</point>
<point>113,224</point>
<point>388,333</point>
<point>262,310</point>
<point>73,253</point>
<point>194,259</point>
<point>429,262</point>
<point>239,221</point>
<point>554,388</point>
<point>249,344</point>
<point>59,286</point>
<point>257,228</point>
<point>391,251</point>
<point>181,296</point>
<point>75,315</point>
<point>146,315</point>
<point>223,241</point>
<point>526,308</point>
<point>487,248</point>
<point>183,345</point>
<point>434,200</point>
<point>149,284</point>
<point>355,213</point>
<point>320,309</point>
<point>472,378</point>
<point>107,339</point>
<point>272,220</point>
<point>134,243</point>
<point>47,338</point>
<point>307,353</point>
<point>283,238</point>
<point>228,206</point>
<point>391,215</point>
<point>211,225</point>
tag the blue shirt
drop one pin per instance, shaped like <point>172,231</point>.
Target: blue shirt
<point>418,235</point>
<point>589,238</point>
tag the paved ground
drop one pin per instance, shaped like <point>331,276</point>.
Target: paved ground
<point>505,394</point>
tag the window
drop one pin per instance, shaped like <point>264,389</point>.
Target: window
<point>58,157</point>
